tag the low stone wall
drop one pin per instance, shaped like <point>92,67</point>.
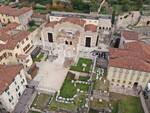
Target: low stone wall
<point>143,103</point>
<point>79,73</point>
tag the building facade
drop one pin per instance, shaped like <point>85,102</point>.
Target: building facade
<point>13,83</point>
<point>129,66</point>
<point>66,35</point>
<point>9,15</point>
<point>14,46</point>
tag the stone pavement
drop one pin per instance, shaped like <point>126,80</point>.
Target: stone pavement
<point>25,101</point>
<point>50,76</point>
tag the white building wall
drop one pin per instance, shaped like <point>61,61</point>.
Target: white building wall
<point>12,93</point>
<point>120,77</point>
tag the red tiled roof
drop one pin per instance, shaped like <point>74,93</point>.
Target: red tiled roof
<point>13,40</point>
<point>4,37</point>
<point>73,20</point>
<point>13,11</point>
<point>51,24</point>
<point>135,55</point>
<point>7,75</point>
<point>90,27</point>
<point>131,63</point>
<point>9,27</point>
<point>130,35</point>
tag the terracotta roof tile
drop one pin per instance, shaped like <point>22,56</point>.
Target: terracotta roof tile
<point>51,24</point>
<point>9,27</point>
<point>7,75</point>
<point>73,20</point>
<point>13,40</point>
<point>130,35</point>
<point>90,27</point>
<point>135,55</point>
<point>13,11</point>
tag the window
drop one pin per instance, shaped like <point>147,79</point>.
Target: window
<point>129,82</point>
<point>118,81</point>
<point>19,94</point>
<point>121,70</point>
<point>127,71</point>
<point>50,37</point>
<point>17,46</point>
<point>144,79</point>
<point>10,100</point>
<point>124,81</point>
<point>8,92</point>
<point>70,43</point>
<point>88,42</point>
<point>113,80</point>
<point>115,70</point>
<point>12,97</point>
<point>138,78</point>
<point>66,42</point>
<point>15,83</point>
<point>27,38</point>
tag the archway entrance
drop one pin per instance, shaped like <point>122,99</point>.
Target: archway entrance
<point>135,85</point>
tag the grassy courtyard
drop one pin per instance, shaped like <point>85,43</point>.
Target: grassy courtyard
<point>83,65</point>
<point>100,85</point>
<point>126,104</point>
<point>40,101</point>
<point>68,89</point>
<point>96,104</point>
<point>69,107</point>
<point>57,105</point>
<point>39,57</point>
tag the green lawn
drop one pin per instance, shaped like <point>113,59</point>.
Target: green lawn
<point>79,67</point>
<point>71,106</point>
<point>56,105</point>
<point>39,57</point>
<point>31,29</point>
<point>95,104</point>
<point>125,104</point>
<point>82,78</point>
<point>99,85</point>
<point>130,105</point>
<point>83,87</point>
<point>68,90</point>
<point>40,100</point>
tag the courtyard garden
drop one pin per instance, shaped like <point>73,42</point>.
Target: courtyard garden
<point>83,65</point>
<point>71,86</point>
<point>41,56</point>
<point>125,104</point>
<point>78,102</point>
<point>40,101</point>
<point>72,94</point>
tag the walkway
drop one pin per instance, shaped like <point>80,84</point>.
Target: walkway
<point>25,100</point>
<point>50,76</point>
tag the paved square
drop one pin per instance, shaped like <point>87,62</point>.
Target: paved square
<point>50,76</point>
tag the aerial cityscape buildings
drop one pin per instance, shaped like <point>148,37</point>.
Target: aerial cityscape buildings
<point>63,60</point>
